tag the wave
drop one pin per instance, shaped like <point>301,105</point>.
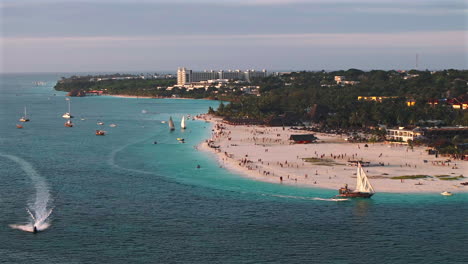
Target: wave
<point>308,198</point>
<point>111,159</point>
<point>39,208</point>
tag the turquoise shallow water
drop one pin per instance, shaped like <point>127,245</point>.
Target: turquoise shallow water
<point>122,199</point>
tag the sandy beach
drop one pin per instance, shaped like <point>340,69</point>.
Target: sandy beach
<point>267,154</point>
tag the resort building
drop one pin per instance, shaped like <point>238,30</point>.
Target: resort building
<point>339,79</point>
<point>402,134</point>
<point>375,98</point>
<point>342,80</point>
<point>186,76</point>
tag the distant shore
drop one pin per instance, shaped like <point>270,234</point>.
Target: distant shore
<point>265,154</point>
<point>152,97</point>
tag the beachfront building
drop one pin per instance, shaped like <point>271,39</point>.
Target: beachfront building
<point>403,135</point>
<point>186,76</point>
<point>303,138</point>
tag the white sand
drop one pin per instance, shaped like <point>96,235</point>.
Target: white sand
<point>280,158</point>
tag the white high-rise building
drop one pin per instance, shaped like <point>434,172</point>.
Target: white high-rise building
<point>186,76</point>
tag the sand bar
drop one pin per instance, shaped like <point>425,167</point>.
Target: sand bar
<point>266,154</point>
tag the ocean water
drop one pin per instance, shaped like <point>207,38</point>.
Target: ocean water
<point>122,199</point>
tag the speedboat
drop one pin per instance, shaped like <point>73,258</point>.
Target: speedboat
<point>446,193</point>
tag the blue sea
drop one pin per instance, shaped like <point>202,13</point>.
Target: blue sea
<point>119,198</point>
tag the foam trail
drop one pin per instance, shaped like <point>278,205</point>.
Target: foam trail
<point>111,159</point>
<point>38,207</point>
<point>310,198</point>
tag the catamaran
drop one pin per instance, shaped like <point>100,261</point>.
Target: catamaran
<point>182,123</point>
<point>171,124</point>
<point>68,115</point>
<point>25,117</point>
<point>363,189</point>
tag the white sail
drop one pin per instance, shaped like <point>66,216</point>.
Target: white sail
<point>171,123</point>
<point>363,184</point>
<point>68,114</point>
<point>182,123</point>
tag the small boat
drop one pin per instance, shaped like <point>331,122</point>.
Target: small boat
<point>182,123</point>
<point>181,140</point>
<point>446,193</point>
<point>19,126</point>
<point>112,125</point>
<point>171,124</point>
<point>68,123</point>
<point>100,123</point>
<point>68,115</point>
<point>100,132</point>
<point>163,122</point>
<point>25,117</point>
<point>363,189</point>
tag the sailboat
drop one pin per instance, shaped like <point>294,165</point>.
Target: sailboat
<point>25,117</point>
<point>182,123</point>
<point>68,115</point>
<point>363,189</point>
<point>171,124</point>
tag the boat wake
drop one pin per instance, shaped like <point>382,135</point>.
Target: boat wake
<point>111,159</point>
<point>38,208</point>
<point>331,199</point>
<point>310,198</point>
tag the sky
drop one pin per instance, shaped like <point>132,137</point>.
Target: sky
<point>277,35</point>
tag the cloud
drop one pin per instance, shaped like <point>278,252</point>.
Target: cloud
<point>437,39</point>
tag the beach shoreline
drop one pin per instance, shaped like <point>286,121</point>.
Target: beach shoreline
<point>152,97</point>
<point>266,154</point>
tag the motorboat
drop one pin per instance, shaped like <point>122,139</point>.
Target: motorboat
<point>68,123</point>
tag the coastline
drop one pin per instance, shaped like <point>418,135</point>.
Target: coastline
<point>151,97</point>
<point>265,154</point>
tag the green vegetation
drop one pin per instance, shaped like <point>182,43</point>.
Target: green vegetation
<point>314,96</point>
<point>321,162</point>
<point>299,97</point>
<point>409,177</point>
<point>448,178</point>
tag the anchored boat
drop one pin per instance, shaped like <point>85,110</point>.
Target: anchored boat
<point>25,117</point>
